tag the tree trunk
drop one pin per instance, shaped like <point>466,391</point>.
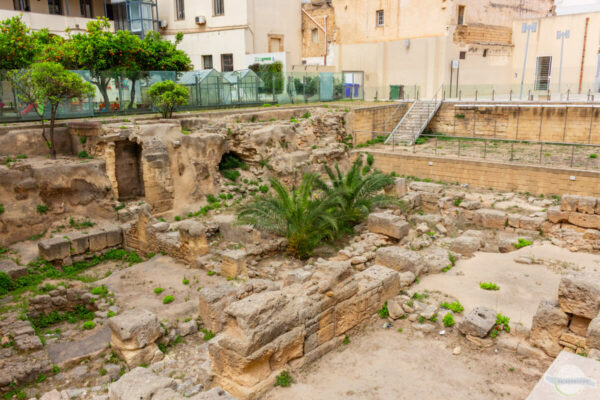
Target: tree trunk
<point>52,120</point>
<point>132,99</point>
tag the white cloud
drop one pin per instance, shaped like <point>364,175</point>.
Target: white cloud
<point>576,6</point>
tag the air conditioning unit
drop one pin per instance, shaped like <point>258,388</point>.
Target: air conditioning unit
<point>163,23</point>
<point>201,20</point>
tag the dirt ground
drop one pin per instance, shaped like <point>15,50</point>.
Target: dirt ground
<point>384,364</point>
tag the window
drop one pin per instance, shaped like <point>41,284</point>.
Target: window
<point>461,15</point>
<point>543,69</point>
<point>180,9</point>
<point>226,62</point>
<point>379,17</point>
<point>219,7</point>
<point>54,7</point>
<point>485,52</point>
<point>86,8</point>
<point>21,5</point>
<point>462,55</point>
<point>207,62</point>
<point>275,43</point>
<point>315,35</point>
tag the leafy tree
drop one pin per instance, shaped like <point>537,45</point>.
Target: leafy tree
<point>18,46</point>
<point>271,75</point>
<point>304,219</point>
<point>167,95</point>
<point>47,84</point>
<point>358,193</point>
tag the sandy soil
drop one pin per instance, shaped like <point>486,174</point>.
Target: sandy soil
<point>521,286</point>
<point>382,364</point>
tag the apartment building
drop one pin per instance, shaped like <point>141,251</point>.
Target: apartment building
<point>229,35</point>
<point>423,43</point>
<point>137,16</point>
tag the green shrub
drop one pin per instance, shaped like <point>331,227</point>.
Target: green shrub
<point>306,115</point>
<point>383,311</point>
<point>502,324</point>
<point>231,174</point>
<point>522,243</point>
<point>87,325</point>
<point>593,155</point>
<point>264,188</point>
<point>454,306</point>
<point>100,290</point>
<point>55,369</point>
<point>168,299</point>
<point>1,208</point>
<point>457,201</point>
<point>185,281</point>
<point>158,290</point>
<point>448,320</point>
<point>6,284</point>
<point>167,96</point>
<point>208,334</point>
<point>42,208</point>
<point>211,199</point>
<point>21,156</point>
<point>489,286</point>
<point>284,379</point>
<point>84,154</point>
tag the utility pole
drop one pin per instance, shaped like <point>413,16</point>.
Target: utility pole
<point>526,28</point>
<point>561,35</point>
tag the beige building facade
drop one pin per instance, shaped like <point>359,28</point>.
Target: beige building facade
<point>225,34</point>
<point>413,43</point>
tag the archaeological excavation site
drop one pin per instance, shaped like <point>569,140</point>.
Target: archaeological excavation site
<point>280,253</point>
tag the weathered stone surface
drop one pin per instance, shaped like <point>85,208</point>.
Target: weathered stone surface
<point>400,259</point>
<point>569,203</point>
<point>233,263</point>
<point>465,245</point>
<point>436,259</point>
<point>531,223</point>
<point>97,240</point>
<point>54,249</point>
<point>139,384</point>
<point>593,334</point>
<point>212,304</point>
<point>398,188</point>
<point>556,215</point>
<point>406,278</point>
<point>13,270</point>
<point>580,295</point>
<point>146,355</point>
<point>114,236</point>
<point>587,205</point>
<point>213,394</point>
<point>579,325</point>
<point>69,353</point>
<point>428,187</point>
<point>134,329</point>
<point>28,342</point>
<point>585,220</point>
<point>490,218</point>
<point>80,242</point>
<point>378,276</point>
<point>388,224</point>
<point>479,322</point>
<point>233,232</point>
<point>395,308</point>
<point>549,323</point>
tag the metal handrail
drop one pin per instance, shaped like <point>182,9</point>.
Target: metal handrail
<point>391,135</point>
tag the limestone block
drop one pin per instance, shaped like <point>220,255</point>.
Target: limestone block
<point>556,215</point>
<point>531,223</point>
<point>427,187</point>
<point>490,218</point>
<point>548,324</point>
<point>97,240</point>
<point>465,245</point>
<point>514,220</point>
<point>572,340</point>
<point>134,329</point>
<point>212,303</point>
<point>400,259</point>
<point>80,243</point>
<point>213,394</point>
<point>395,308</point>
<point>593,334</point>
<point>134,358</point>
<point>114,236</point>
<point>388,224</point>
<point>13,270</point>
<point>435,259</point>
<point>587,205</point>
<point>192,234</point>
<point>233,232</point>
<point>53,249</point>
<point>233,263</point>
<point>579,325</point>
<point>398,188</point>
<point>290,345</point>
<point>580,295</point>
<point>139,383</point>
<point>569,203</point>
<point>585,220</point>
<point>479,322</point>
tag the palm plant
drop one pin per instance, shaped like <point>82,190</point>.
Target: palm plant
<point>358,191</point>
<point>301,216</point>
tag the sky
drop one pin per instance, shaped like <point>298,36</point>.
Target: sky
<point>576,6</point>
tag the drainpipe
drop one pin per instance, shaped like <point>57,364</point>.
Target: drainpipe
<point>587,22</point>
<point>323,29</point>
<point>325,41</point>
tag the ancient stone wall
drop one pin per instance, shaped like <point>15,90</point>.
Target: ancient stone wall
<point>268,331</point>
<point>369,122</point>
<point>580,123</point>
<point>483,34</point>
<point>485,174</point>
<point>313,45</point>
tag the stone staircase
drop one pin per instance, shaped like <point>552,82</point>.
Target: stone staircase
<point>414,122</point>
